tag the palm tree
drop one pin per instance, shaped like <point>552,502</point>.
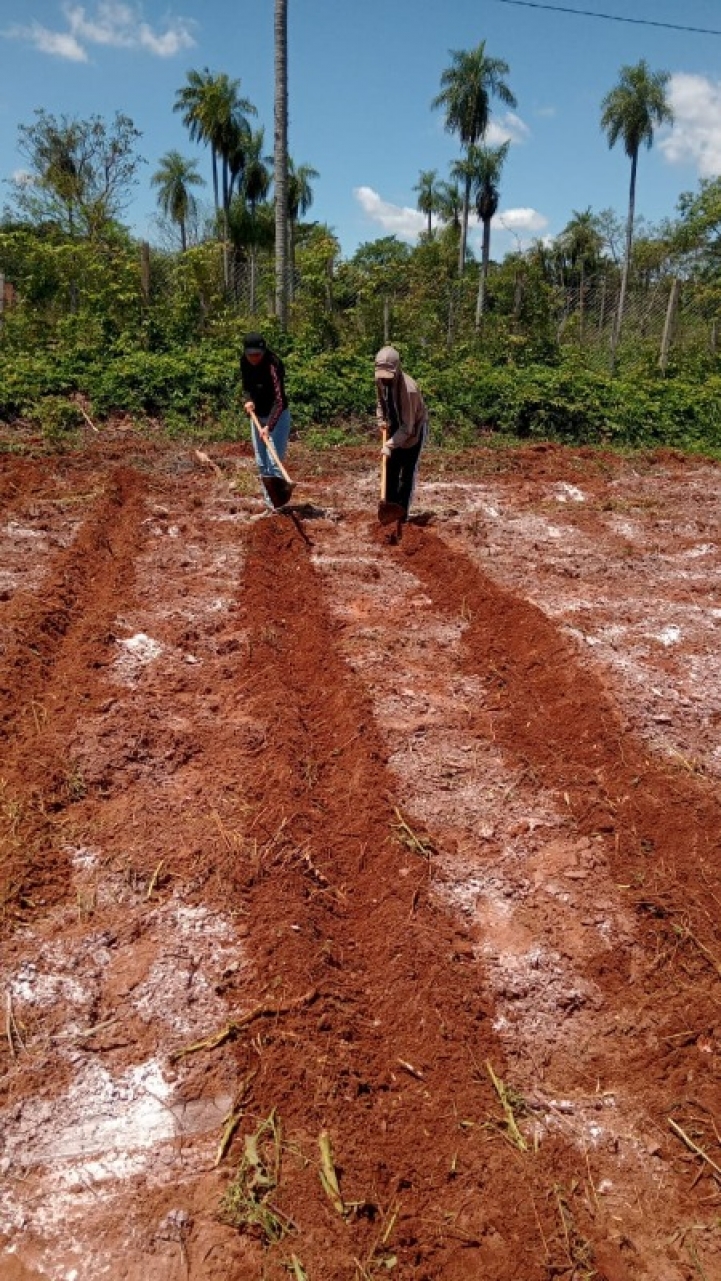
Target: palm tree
<point>280,158</point>
<point>630,112</point>
<point>254,189</point>
<point>300,199</point>
<point>427,195</point>
<point>198,102</point>
<point>581,243</point>
<point>174,178</point>
<point>257,172</point>
<point>214,113</point>
<point>450,204</point>
<point>488,162</point>
<point>467,87</point>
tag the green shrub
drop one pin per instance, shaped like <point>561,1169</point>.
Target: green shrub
<point>196,390</point>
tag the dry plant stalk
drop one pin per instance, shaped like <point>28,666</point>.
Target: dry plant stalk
<point>328,1176</point>
<point>12,1031</point>
<point>693,1147</point>
<point>87,418</point>
<point>413,1071</point>
<point>408,837</point>
<point>233,1120</point>
<point>512,1131</point>
<point>577,1249</point>
<point>154,880</point>
<point>232,1029</point>
<point>377,1259</point>
<point>247,1203</point>
<point>207,461</point>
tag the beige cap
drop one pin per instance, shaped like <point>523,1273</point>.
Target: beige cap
<point>388,362</point>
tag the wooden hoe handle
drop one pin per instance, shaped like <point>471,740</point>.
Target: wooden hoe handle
<point>271,448</point>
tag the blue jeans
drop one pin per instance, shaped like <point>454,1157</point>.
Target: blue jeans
<point>279,437</point>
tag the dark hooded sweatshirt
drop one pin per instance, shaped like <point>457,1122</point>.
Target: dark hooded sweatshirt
<point>264,384</point>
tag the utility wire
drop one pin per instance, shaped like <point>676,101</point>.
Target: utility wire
<point>610,17</point>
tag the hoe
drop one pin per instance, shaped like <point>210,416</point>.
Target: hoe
<point>279,488</point>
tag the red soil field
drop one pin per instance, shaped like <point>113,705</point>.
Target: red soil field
<point>360,894</point>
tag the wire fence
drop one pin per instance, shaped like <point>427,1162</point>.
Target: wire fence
<point>673,313</point>
<point>665,316</point>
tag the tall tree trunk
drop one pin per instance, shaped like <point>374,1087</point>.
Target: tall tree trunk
<point>280,156</point>
<point>145,272</point>
<point>450,329</point>
<point>485,256</point>
<point>464,227</point>
<point>253,274</point>
<point>626,263</point>
<point>602,310</point>
<point>519,289</point>
<point>226,236</point>
<point>329,286</point>
<point>291,260</point>
<point>214,159</point>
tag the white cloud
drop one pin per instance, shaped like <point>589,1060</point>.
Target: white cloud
<point>59,44</point>
<point>396,220</point>
<point>510,128</point>
<point>113,24</point>
<point>520,220</point>
<point>695,136</point>
<point>407,224</point>
<point>177,37</point>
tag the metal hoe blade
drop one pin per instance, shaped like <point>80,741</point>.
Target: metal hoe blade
<point>278,490</point>
<point>390,513</point>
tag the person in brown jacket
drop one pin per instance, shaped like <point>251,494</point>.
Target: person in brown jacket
<point>403,418</point>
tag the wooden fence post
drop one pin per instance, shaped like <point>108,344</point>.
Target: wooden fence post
<point>668,323</point>
<point>145,271</point>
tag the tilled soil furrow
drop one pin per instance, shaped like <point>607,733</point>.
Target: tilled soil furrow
<point>129,957</point>
<point>60,636</point>
<point>661,825</point>
<point>543,907</point>
<point>660,829</point>
<point>81,582</point>
<point>629,566</point>
<point>390,1056</point>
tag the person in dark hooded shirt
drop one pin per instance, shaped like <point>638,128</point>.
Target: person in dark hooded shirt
<point>263,377</point>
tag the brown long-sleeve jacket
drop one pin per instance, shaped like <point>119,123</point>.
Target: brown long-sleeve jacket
<point>410,409</point>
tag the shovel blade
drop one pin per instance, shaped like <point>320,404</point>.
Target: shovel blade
<point>390,513</point>
<point>278,490</point>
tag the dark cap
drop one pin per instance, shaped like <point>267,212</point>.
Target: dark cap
<point>254,343</point>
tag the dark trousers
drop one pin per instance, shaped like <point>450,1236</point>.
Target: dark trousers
<point>401,473</point>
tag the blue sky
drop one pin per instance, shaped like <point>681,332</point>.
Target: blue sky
<point>362,74</point>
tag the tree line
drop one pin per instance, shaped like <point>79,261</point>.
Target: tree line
<point>83,285</point>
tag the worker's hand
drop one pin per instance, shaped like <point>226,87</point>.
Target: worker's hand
<point>249,406</point>
<point>386,450</point>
